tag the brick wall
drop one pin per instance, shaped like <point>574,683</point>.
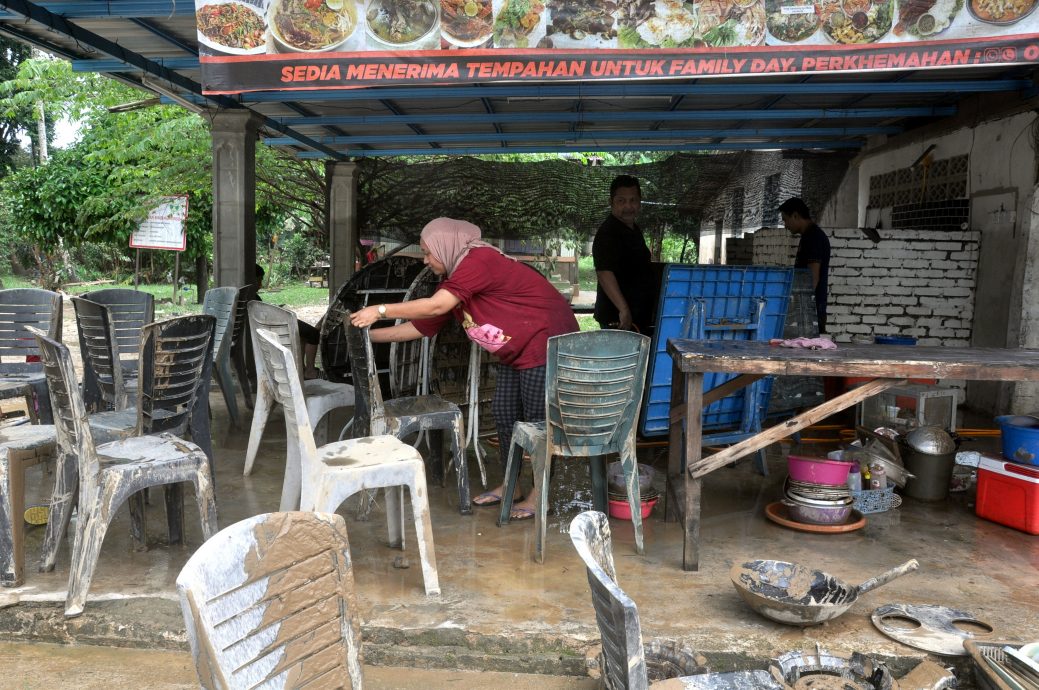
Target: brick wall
<point>915,282</point>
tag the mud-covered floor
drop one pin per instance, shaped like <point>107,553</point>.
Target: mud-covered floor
<point>501,611</point>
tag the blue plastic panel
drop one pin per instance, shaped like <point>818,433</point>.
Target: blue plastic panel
<point>731,297</point>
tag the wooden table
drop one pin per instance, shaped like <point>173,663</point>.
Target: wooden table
<point>887,365</point>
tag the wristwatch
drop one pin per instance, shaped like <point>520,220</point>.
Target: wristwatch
<point>382,311</point>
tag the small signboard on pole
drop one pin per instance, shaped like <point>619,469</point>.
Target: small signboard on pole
<point>164,226</point>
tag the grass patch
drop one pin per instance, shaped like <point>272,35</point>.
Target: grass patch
<point>295,295</point>
<point>587,322</point>
<point>586,273</point>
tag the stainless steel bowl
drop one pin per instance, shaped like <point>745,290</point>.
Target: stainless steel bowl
<point>930,440</point>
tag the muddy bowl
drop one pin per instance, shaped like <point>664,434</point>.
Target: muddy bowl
<point>789,593</point>
<point>818,515</point>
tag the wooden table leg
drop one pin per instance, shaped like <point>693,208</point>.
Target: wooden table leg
<point>675,468</point>
<point>693,440</point>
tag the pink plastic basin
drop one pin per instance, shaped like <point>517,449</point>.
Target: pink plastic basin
<point>621,510</point>
<point>818,470</point>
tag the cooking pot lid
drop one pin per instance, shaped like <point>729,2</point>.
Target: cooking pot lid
<point>932,440</point>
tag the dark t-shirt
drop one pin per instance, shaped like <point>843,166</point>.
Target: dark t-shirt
<point>501,292</point>
<point>815,246</point>
<point>623,251</point>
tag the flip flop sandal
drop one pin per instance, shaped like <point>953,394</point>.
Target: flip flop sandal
<point>487,495</point>
<point>521,514</point>
<point>37,515</point>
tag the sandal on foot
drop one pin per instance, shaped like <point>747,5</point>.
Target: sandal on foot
<point>521,514</point>
<point>487,498</point>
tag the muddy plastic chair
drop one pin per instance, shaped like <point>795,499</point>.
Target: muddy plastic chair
<point>173,398</point>
<point>130,310</point>
<point>269,602</point>
<point>321,478</point>
<point>241,354</point>
<point>625,662</point>
<point>593,391</point>
<point>404,416</point>
<point>220,303</point>
<point>21,308</point>
<point>113,473</point>
<point>321,396</point>
<point>104,387</point>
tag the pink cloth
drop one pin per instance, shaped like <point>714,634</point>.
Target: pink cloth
<point>806,343</point>
<point>449,240</point>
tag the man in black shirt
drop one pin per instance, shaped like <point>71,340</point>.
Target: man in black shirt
<point>624,295</point>
<point>813,250</point>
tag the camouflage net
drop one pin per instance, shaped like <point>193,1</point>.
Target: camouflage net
<point>559,199</point>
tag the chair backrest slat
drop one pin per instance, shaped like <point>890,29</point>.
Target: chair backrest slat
<point>98,349</point>
<point>176,358</point>
<point>615,613</point>
<point>70,415</point>
<point>222,303</point>
<point>280,322</point>
<point>594,386</point>
<point>368,400</point>
<point>269,601</point>
<point>130,310</point>
<point>23,307</point>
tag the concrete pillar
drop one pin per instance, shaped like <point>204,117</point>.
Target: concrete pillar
<point>1025,399</point>
<point>234,196</point>
<point>343,233</point>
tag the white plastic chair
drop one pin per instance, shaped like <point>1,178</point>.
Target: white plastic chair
<point>269,602</point>
<point>321,396</point>
<point>112,473</point>
<point>321,478</point>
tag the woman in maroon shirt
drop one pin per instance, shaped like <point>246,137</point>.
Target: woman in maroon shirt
<point>505,306</point>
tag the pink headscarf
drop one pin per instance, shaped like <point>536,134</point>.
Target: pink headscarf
<point>449,240</point>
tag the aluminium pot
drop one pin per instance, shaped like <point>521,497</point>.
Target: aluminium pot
<point>929,454</point>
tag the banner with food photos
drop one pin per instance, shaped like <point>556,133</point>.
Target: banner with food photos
<point>250,45</point>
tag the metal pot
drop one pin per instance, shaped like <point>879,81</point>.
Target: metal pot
<point>929,453</point>
<point>930,440</point>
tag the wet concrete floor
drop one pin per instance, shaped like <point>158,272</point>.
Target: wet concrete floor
<point>40,666</point>
<point>500,611</point>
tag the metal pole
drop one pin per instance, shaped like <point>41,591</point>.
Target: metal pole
<point>176,279</point>
<point>137,269</point>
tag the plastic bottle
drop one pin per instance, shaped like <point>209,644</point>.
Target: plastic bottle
<point>855,479</point>
<point>866,476</point>
<point>878,477</point>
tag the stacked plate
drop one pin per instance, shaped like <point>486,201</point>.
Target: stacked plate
<point>817,504</point>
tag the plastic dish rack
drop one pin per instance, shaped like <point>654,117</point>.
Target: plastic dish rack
<point>876,500</point>
<point>980,653</point>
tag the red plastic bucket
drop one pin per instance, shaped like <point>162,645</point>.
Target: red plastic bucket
<point>621,510</point>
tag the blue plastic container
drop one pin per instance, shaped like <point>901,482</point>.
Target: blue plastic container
<point>732,297</point>
<point>1020,438</point>
<point>894,340</point>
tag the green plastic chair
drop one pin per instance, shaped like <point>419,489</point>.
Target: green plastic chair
<point>593,392</point>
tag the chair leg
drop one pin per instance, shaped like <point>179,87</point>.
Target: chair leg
<point>542,462</point>
<point>465,503</point>
<point>512,473</point>
<point>242,369</point>
<point>226,382</point>
<point>436,457</point>
<point>93,524</point>
<point>10,522</point>
<point>174,494</point>
<point>395,515</point>
<point>762,463</point>
<point>206,500</point>
<point>138,521</point>
<point>64,497</point>
<point>631,480</point>
<point>264,402</point>
<point>424,532</point>
<point>600,491</point>
<point>292,484</point>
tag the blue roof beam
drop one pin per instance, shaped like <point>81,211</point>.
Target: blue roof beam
<point>627,116</point>
<point>98,9</point>
<point>591,136</point>
<point>629,90</point>
<point>478,151</point>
